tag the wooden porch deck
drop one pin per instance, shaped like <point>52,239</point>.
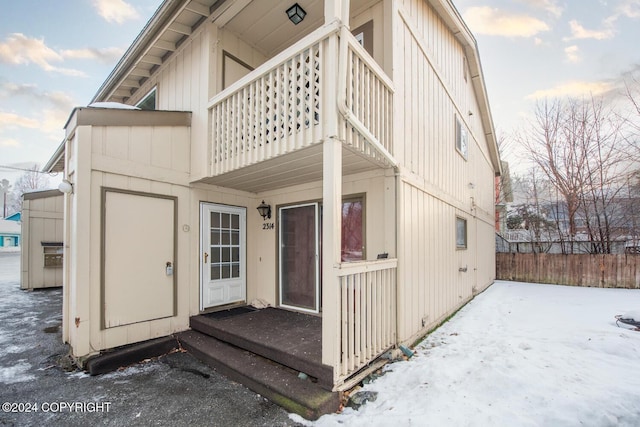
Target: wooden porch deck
<point>266,350</point>
<point>289,338</point>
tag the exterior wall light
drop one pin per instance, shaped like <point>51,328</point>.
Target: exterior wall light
<point>264,210</point>
<point>66,187</point>
<point>296,14</point>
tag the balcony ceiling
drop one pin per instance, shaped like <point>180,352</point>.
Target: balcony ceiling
<point>264,24</point>
<point>261,23</point>
<point>299,167</point>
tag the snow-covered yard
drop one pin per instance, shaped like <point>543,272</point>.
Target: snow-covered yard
<point>520,354</point>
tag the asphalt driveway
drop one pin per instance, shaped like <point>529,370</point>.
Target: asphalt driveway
<point>37,388</point>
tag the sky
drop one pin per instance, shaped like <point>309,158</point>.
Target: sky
<point>54,55</point>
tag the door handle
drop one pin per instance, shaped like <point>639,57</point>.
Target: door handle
<point>206,256</point>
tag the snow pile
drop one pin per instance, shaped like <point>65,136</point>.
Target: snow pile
<point>113,105</point>
<point>633,315</point>
<point>518,355</point>
<point>16,373</point>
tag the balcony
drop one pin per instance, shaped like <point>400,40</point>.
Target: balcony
<point>267,128</point>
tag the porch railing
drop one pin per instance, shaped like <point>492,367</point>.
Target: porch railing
<point>367,313</point>
<point>369,104</point>
<point>278,108</point>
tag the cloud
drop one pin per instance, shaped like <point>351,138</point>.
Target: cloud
<point>550,6</point>
<point>573,54</point>
<point>578,32</point>
<point>9,142</point>
<point>106,56</point>
<point>53,122</point>
<point>19,49</point>
<point>492,21</point>
<point>117,11</point>
<point>628,8</point>
<point>12,121</point>
<point>573,89</point>
<point>58,100</point>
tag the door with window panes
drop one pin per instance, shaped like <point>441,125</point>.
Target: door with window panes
<point>223,251</point>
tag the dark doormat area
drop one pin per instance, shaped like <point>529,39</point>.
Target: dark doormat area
<point>223,314</point>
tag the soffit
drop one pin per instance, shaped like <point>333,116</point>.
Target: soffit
<point>263,24</point>
<point>173,23</point>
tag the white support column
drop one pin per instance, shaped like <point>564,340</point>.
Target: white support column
<point>332,211</point>
<point>336,9</point>
<point>331,246</point>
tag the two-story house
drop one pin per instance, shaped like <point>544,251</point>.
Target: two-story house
<point>333,159</point>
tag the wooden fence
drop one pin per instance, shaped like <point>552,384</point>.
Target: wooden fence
<point>603,271</point>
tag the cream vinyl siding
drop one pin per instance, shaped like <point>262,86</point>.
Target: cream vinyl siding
<point>148,159</point>
<point>436,183</point>
<point>42,221</point>
<point>182,85</point>
<point>262,251</point>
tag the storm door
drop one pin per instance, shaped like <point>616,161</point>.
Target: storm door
<point>223,251</point>
<point>299,286</point>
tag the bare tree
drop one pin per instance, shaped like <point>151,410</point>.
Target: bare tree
<point>31,180</point>
<point>603,175</point>
<point>530,217</point>
<point>579,148</point>
<point>550,144</point>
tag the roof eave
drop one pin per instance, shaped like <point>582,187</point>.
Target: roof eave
<point>157,22</point>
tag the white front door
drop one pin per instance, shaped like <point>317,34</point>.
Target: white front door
<point>223,255</point>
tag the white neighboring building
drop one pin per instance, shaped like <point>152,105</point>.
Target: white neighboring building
<point>9,236</point>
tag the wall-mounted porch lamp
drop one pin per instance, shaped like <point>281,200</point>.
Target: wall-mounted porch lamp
<point>264,210</point>
<point>296,14</point>
<point>66,187</point>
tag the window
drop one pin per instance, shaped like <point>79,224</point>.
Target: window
<point>461,233</point>
<point>149,101</point>
<point>364,36</point>
<point>352,230</point>
<point>462,138</point>
<point>225,245</point>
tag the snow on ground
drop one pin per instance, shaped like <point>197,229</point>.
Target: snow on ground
<point>19,322</point>
<point>520,354</point>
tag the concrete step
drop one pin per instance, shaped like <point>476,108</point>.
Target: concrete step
<point>277,383</point>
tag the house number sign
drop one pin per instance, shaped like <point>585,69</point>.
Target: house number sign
<point>268,226</point>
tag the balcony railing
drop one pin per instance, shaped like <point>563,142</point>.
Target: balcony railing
<point>367,313</point>
<point>369,104</point>
<point>282,105</point>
